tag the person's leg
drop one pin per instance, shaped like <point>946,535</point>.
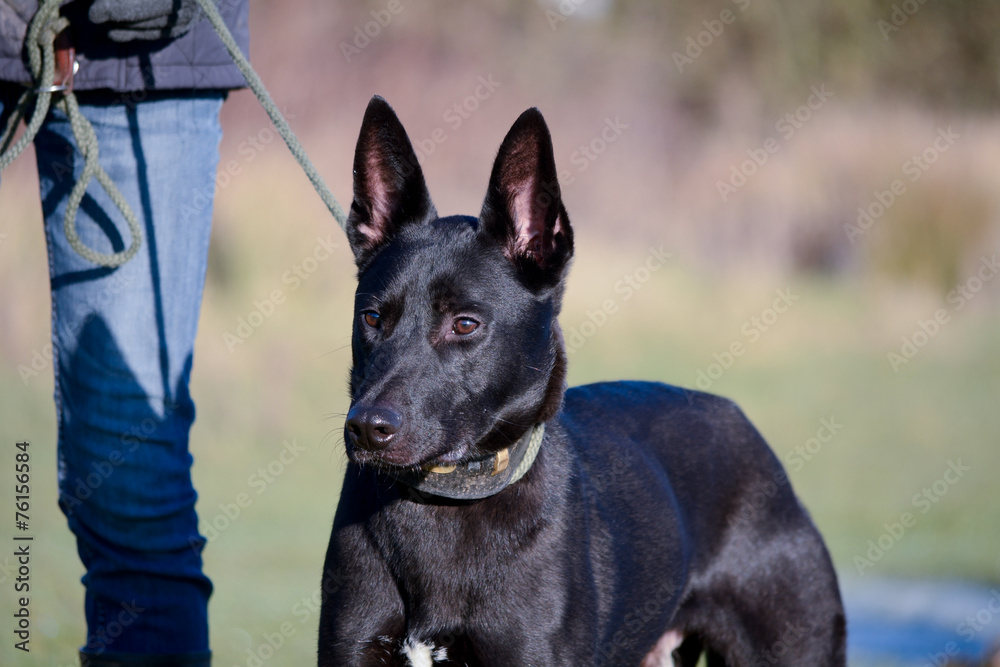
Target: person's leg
<point>123,341</point>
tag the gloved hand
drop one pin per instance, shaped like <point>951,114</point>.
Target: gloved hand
<point>128,20</point>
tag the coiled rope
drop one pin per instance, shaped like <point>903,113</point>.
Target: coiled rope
<point>43,30</point>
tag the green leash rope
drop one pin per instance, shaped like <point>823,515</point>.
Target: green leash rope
<point>42,32</point>
<point>280,124</point>
<point>43,72</point>
<point>40,40</point>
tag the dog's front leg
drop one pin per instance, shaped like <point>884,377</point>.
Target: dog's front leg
<point>362,621</point>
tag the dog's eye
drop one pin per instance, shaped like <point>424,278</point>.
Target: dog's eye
<point>463,326</point>
<point>372,318</point>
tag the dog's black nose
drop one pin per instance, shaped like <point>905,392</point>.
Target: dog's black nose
<point>372,428</point>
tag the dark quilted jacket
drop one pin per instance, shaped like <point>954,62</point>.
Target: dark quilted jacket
<point>195,60</point>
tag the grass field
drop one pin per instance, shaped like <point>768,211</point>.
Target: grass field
<point>897,460</point>
<point>821,364</point>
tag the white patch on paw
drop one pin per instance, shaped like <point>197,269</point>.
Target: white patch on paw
<point>420,654</point>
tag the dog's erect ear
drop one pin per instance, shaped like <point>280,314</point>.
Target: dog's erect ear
<point>389,188</point>
<point>523,210</point>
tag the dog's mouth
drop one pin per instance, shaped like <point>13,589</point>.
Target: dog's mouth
<point>401,461</point>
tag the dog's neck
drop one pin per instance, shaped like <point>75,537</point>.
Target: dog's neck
<point>479,478</point>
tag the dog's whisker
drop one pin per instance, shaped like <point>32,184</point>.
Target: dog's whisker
<point>334,433</point>
<point>507,421</point>
<point>333,351</point>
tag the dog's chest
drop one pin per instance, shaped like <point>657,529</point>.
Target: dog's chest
<point>461,572</point>
<point>451,560</point>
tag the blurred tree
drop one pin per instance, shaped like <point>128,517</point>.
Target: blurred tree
<point>943,54</point>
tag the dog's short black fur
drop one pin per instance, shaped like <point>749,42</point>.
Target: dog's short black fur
<point>651,514</point>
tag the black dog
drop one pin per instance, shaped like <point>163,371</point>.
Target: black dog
<point>489,516</point>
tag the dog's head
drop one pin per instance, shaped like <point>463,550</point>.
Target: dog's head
<point>456,348</point>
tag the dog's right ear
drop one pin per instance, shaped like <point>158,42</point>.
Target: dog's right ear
<point>389,187</point>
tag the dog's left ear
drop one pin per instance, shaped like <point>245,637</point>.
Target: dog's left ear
<point>523,211</point>
<point>389,187</point>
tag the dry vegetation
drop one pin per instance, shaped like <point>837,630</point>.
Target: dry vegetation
<point>607,74</point>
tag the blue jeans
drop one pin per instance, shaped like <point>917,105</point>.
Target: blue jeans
<point>123,341</point>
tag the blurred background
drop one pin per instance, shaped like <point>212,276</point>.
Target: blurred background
<point>822,179</point>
